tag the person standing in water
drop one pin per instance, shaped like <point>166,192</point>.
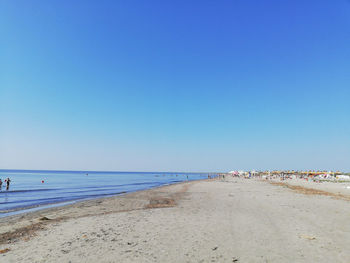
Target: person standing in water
<point>7,183</point>
<point>0,183</point>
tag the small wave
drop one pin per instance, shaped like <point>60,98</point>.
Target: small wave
<point>24,191</point>
<point>53,200</point>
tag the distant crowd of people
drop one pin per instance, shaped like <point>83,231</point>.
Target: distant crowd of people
<point>7,181</point>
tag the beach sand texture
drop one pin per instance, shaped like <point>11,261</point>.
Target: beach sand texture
<point>232,220</point>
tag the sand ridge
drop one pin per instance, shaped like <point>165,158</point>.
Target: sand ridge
<point>311,191</point>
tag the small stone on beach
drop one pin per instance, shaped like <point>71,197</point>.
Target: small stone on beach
<point>44,218</point>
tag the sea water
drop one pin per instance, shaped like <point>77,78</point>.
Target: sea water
<point>33,190</point>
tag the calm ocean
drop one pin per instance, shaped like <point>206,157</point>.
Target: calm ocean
<point>33,190</point>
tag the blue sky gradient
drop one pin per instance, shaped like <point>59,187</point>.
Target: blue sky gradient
<point>175,85</point>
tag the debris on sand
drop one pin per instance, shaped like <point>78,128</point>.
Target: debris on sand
<point>3,251</point>
<point>308,237</point>
<point>159,202</point>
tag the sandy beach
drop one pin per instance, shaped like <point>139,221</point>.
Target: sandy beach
<point>231,220</point>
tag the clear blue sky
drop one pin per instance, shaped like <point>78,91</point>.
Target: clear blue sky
<point>175,85</point>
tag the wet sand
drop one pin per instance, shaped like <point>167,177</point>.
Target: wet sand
<point>232,220</point>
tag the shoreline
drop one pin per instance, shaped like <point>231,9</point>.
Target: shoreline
<point>37,207</point>
<point>55,210</point>
<point>218,220</point>
<point>27,223</point>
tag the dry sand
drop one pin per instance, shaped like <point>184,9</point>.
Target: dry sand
<point>236,220</point>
